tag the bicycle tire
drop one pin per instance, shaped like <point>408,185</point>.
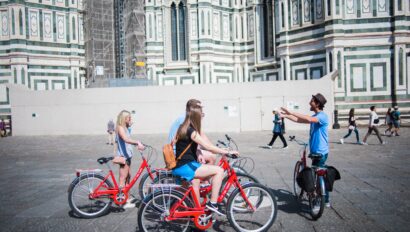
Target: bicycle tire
<point>317,198</point>
<point>266,195</point>
<point>143,188</point>
<point>150,200</point>
<point>297,190</point>
<point>74,203</point>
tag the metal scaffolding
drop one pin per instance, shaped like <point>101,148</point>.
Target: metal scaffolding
<point>114,41</point>
<point>99,41</point>
<point>134,29</point>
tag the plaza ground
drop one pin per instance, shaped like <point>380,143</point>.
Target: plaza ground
<point>373,194</point>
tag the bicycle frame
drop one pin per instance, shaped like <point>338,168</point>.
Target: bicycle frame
<point>199,208</point>
<point>98,192</point>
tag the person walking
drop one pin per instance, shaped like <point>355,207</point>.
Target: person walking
<point>352,127</point>
<point>277,130</point>
<point>110,131</point>
<point>319,138</point>
<point>3,132</point>
<point>396,121</point>
<point>388,121</point>
<point>373,123</point>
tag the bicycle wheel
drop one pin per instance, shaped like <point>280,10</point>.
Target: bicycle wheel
<point>243,178</point>
<point>79,196</point>
<point>144,187</point>
<point>156,206</point>
<point>246,219</point>
<point>297,190</point>
<point>317,199</point>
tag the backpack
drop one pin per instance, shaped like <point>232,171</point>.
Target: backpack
<point>169,155</point>
<point>332,174</point>
<point>306,180</point>
<point>395,116</point>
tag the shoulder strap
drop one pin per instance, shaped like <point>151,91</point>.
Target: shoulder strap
<point>186,149</point>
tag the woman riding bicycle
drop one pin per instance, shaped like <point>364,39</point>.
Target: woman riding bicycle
<point>188,138</point>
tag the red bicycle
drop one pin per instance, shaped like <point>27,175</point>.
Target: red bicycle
<point>171,207</point>
<point>316,197</point>
<point>91,193</point>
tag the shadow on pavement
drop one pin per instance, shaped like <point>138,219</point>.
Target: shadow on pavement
<point>287,203</point>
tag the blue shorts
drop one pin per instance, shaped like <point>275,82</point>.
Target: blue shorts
<point>187,171</point>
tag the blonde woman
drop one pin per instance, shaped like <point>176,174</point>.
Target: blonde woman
<point>124,145</point>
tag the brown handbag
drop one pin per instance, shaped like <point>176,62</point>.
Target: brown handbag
<point>169,156</point>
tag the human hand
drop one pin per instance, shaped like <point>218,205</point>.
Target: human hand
<point>235,154</point>
<point>201,159</point>
<point>140,146</point>
<point>285,111</point>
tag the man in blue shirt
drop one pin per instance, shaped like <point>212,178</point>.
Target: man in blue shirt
<point>319,122</point>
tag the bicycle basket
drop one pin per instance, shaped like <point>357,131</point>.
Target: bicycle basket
<point>244,164</point>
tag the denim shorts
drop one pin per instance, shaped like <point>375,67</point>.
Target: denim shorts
<point>187,171</point>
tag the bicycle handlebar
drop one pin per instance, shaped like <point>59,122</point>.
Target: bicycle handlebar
<point>221,142</point>
<point>300,142</point>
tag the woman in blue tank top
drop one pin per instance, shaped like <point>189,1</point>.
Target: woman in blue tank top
<point>124,145</point>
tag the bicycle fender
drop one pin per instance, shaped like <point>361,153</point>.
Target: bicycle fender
<point>322,184</point>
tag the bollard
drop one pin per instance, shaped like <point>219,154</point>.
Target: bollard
<point>336,125</point>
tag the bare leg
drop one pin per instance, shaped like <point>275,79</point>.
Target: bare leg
<point>124,172</point>
<point>195,185</point>
<point>216,172</point>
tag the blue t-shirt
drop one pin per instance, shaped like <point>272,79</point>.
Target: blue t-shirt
<point>319,139</point>
<point>174,127</point>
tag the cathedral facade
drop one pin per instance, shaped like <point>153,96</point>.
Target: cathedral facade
<point>230,41</point>
<point>42,46</point>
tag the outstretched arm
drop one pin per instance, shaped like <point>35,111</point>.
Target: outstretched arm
<point>297,117</point>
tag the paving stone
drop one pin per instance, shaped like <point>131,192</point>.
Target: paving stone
<point>373,195</point>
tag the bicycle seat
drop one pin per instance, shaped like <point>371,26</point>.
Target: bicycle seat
<point>104,160</point>
<point>315,155</point>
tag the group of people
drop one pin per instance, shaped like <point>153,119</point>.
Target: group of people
<point>196,155</point>
<point>392,119</point>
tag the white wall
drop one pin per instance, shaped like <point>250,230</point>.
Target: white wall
<point>86,111</point>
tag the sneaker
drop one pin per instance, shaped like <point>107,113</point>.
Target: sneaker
<point>363,143</point>
<point>316,209</point>
<point>286,147</point>
<point>360,143</point>
<point>129,205</point>
<point>342,141</point>
<point>327,204</point>
<point>269,146</point>
<point>214,208</point>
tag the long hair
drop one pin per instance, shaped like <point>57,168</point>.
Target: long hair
<point>121,118</point>
<point>193,119</point>
<point>351,112</point>
<point>388,111</point>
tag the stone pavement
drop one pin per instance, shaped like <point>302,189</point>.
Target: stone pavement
<point>373,194</point>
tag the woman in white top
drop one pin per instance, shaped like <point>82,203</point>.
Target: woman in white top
<point>373,123</point>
